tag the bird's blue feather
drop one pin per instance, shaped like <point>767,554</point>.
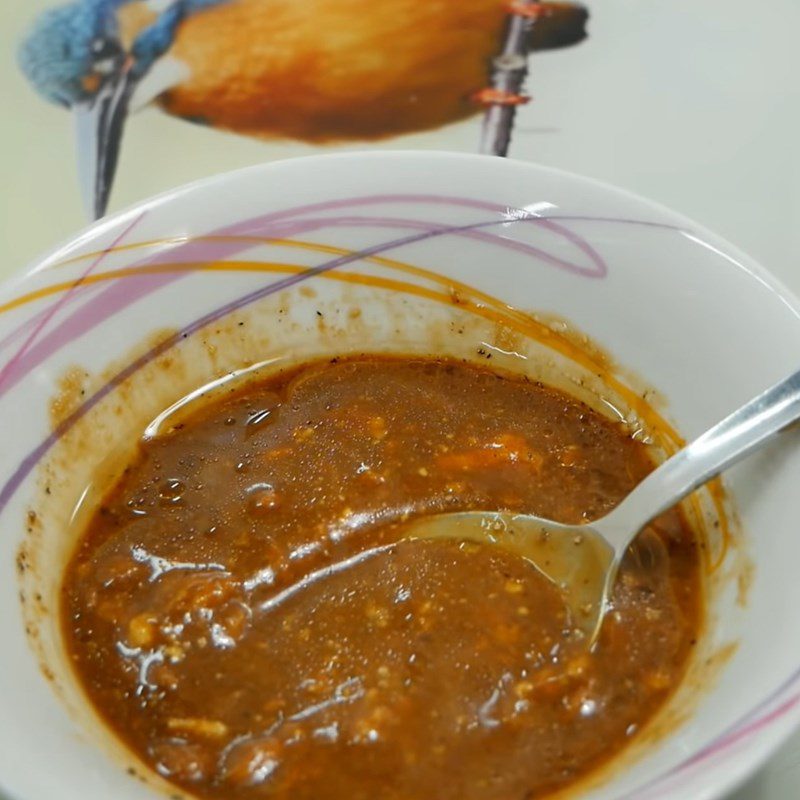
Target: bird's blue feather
<point>56,55</point>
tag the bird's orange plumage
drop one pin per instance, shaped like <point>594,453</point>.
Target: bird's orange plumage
<point>322,70</point>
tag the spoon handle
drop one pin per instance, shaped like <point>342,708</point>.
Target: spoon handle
<point>734,437</point>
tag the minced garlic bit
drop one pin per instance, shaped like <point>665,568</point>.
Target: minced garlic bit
<point>198,726</point>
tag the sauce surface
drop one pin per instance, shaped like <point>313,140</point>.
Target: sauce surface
<point>243,613</point>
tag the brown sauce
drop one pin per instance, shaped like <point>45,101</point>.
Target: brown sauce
<point>242,614</point>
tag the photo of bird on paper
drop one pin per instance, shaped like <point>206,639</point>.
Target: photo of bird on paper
<point>316,71</point>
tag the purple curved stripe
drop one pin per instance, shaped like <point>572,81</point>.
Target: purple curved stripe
<point>116,297</point>
<point>745,727</point>
<point>745,731</point>
<point>283,223</point>
<point>665,785</point>
<point>122,294</point>
<point>598,268</point>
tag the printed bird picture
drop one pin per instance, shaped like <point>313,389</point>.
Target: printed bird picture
<point>319,71</point>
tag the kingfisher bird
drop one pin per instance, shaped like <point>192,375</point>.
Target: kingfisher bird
<point>314,70</point>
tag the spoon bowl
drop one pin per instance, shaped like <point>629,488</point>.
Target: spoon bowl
<point>577,558</point>
<point>583,560</point>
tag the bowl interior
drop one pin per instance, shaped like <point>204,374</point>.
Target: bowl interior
<point>404,252</point>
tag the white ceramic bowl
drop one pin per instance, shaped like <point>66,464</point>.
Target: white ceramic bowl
<point>375,243</point>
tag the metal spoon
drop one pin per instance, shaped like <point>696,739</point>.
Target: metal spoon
<point>582,560</point>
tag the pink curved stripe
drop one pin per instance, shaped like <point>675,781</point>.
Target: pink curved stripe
<point>746,731</point>
<point>666,784</point>
<point>18,332</point>
<point>278,224</point>
<point>15,363</point>
<point>596,269</point>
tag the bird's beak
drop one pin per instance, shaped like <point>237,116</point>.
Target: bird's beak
<point>99,124</point>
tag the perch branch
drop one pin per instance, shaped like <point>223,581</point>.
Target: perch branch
<point>509,70</point>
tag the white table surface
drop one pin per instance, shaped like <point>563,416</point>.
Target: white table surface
<point>694,103</point>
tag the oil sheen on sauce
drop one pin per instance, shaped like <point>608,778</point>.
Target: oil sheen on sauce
<point>241,611</point>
